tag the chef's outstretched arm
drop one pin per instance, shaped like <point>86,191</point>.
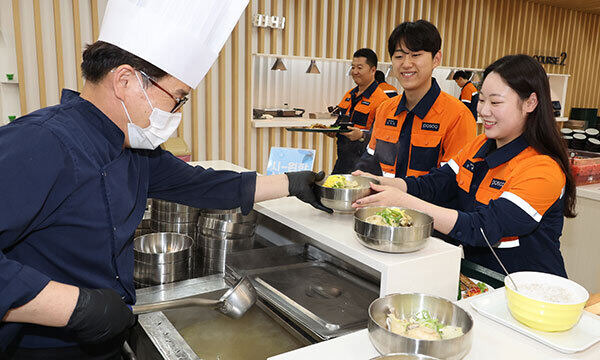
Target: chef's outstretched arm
<point>300,184</point>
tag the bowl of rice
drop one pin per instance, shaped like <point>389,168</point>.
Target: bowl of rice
<point>545,302</point>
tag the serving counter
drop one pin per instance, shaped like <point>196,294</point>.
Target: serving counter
<point>307,241</point>
<point>491,341</point>
<point>433,270</point>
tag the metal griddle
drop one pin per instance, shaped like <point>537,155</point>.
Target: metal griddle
<point>321,298</point>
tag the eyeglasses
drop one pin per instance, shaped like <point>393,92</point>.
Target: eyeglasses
<point>178,101</point>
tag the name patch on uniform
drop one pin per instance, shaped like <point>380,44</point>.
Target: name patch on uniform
<point>497,183</point>
<point>364,102</point>
<point>430,126</point>
<point>391,122</point>
<point>469,165</point>
<point>347,99</point>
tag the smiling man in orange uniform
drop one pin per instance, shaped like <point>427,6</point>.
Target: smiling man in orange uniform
<point>359,105</point>
<point>424,127</point>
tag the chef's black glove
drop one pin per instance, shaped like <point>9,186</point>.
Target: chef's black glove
<point>302,186</point>
<point>100,315</point>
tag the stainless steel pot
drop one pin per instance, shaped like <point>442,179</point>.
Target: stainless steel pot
<point>167,206</point>
<point>341,200</point>
<point>405,306</point>
<point>220,228</point>
<point>390,238</point>
<point>174,217</point>
<point>404,357</point>
<point>161,258</point>
<point>234,303</point>
<point>228,244</point>
<point>182,228</point>
<point>233,215</point>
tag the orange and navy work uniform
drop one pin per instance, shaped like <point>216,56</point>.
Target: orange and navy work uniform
<point>411,142</point>
<point>360,109</point>
<point>514,194</point>
<point>469,95</point>
<point>388,89</point>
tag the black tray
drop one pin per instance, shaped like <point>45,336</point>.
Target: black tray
<point>318,130</point>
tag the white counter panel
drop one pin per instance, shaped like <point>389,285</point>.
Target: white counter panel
<point>491,341</point>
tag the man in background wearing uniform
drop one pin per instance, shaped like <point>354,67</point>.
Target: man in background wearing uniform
<point>358,107</point>
<point>388,89</point>
<point>424,127</point>
<point>469,94</point>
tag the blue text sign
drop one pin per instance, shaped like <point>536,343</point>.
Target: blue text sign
<point>283,160</point>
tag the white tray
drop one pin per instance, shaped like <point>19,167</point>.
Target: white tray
<point>583,335</point>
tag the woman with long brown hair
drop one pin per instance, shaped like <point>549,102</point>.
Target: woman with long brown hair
<point>512,183</point>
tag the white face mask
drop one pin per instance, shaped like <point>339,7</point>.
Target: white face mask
<point>162,125</point>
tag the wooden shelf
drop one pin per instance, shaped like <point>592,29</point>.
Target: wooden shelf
<point>289,121</point>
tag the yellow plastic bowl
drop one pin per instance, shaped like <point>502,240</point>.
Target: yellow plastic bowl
<point>538,313</point>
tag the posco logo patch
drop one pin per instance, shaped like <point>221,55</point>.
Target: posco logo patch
<point>497,183</point>
<point>430,126</point>
<point>469,165</point>
<point>347,99</point>
<point>365,103</point>
<point>391,122</point>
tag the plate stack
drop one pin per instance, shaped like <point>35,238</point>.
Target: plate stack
<point>172,217</point>
<point>221,232</point>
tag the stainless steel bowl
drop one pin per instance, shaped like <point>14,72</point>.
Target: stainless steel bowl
<point>174,216</point>
<point>182,228</point>
<point>160,248</point>
<point>390,238</point>
<point>160,258</point>
<point>233,215</point>
<point>215,228</point>
<point>404,357</point>
<point>167,206</point>
<point>230,245</point>
<point>341,200</point>
<point>406,305</point>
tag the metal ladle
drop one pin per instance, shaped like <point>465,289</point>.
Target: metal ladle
<point>497,258</point>
<point>234,303</point>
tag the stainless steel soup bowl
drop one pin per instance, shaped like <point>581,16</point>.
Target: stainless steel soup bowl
<point>341,200</point>
<point>393,239</point>
<point>405,306</point>
<point>160,258</point>
<point>404,357</point>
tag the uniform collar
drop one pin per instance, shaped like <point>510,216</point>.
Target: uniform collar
<point>368,92</point>
<point>100,121</point>
<point>467,83</point>
<point>424,105</point>
<point>496,157</point>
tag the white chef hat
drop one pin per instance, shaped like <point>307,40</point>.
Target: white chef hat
<point>181,37</point>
